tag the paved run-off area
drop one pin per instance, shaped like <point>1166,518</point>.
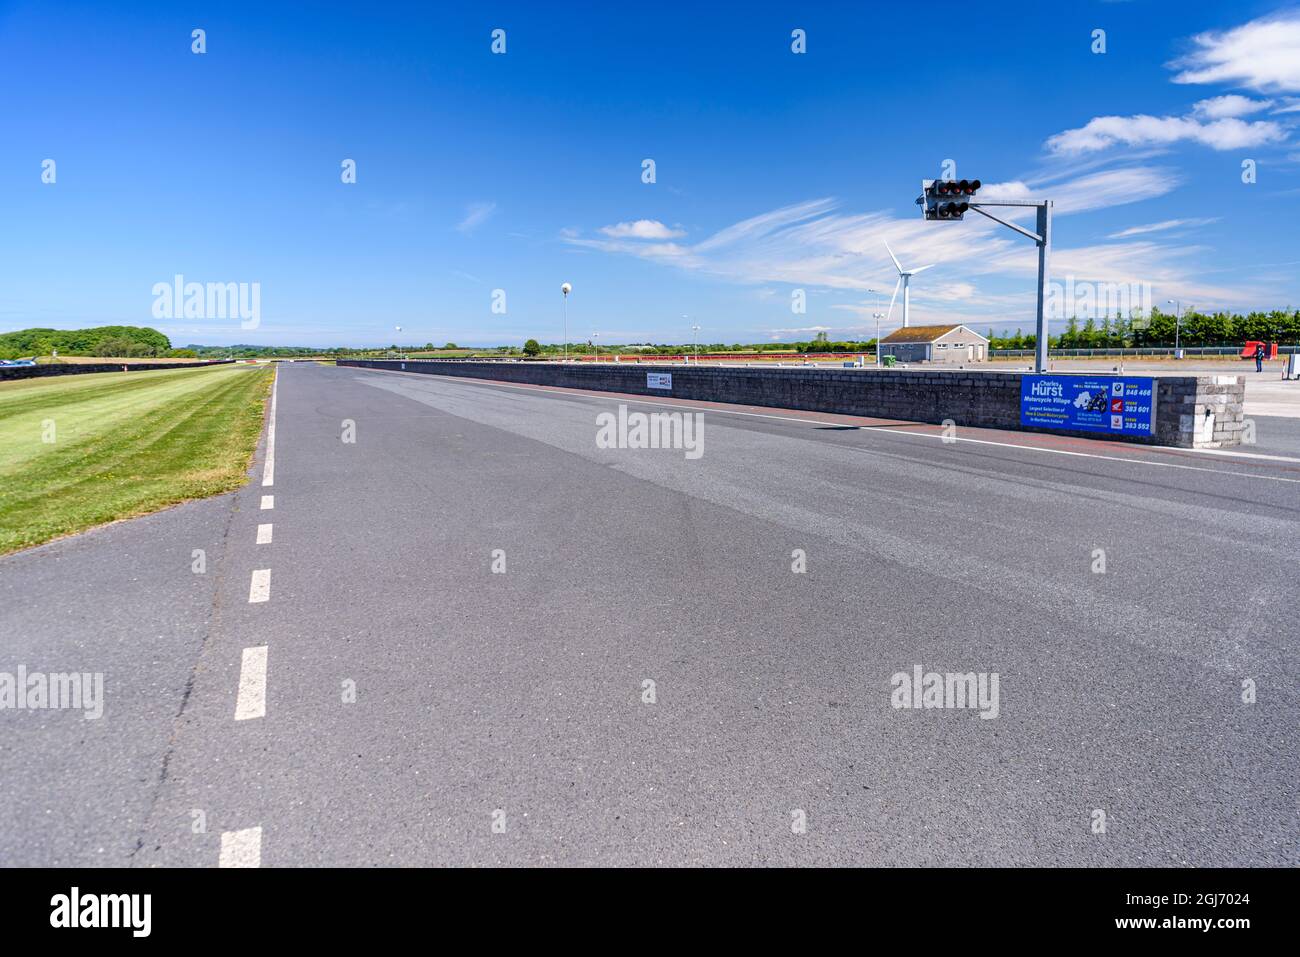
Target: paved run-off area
<point>349,680</point>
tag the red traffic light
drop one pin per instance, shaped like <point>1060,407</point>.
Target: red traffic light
<point>945,199</point>
<point>960,187</point>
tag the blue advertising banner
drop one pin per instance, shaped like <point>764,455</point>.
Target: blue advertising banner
<point>1120,405</point>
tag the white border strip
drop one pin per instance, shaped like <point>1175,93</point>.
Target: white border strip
<point>268,468</point>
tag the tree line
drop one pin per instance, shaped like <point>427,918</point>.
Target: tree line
<point>130,341</point>
<point>1158,330</point>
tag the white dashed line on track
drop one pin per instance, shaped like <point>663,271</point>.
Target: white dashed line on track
<point>259,588</point>
<point>241,848</point>
<point>264,534</point>
<point>268,468</point>
<point>252,685</point>
<point>268,501</point>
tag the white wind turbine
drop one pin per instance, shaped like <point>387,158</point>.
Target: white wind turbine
<point>904,278</point>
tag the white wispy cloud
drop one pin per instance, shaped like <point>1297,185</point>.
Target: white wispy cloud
<point>1116,187</point>
<point>817,245</point>
<point>1263,55</point>
<point>1221,107</point>
<point>1103,132</point>
<point>1163,226</point>
<point>642,229</point>
<point>475,215</point>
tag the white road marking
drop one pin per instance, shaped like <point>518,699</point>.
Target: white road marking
<point>241,848</point>
<point>1108,458</point>
<point>1245,455</point>
<point>268,468</point>
<point>251,702</point>
<point>264,534</point>
<point>268,501</point>
<point>259,589</point>
<point>891,430</point>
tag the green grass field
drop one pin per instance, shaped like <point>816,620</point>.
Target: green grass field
<point>82,450</point>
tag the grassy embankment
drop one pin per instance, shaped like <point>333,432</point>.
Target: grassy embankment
<point>79,451</point>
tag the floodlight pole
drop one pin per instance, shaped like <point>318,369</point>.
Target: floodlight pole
<point>1178,323</point>
<point>1043,238</point>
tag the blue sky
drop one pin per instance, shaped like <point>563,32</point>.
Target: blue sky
<point>775,171</point>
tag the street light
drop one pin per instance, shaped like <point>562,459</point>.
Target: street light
<point>877,315</point>
<point>596,345</point>
<point>695,340</point>
<point>1178,325</point>
<point>566,289</point>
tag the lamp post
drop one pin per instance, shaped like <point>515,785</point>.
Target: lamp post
<point>566,288</point>
<point>877,315</point>
<point>596,345</point>
<point>1178,325</point>
<point>695,341</point>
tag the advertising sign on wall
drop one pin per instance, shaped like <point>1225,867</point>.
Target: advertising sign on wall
<point>1120,405</point>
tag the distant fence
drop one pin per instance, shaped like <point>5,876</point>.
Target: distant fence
<point>1153,351</point>
<point>78,368</point>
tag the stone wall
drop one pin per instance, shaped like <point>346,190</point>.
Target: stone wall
<point>968,398</point>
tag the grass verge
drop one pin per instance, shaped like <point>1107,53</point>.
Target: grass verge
<point>83,450</point>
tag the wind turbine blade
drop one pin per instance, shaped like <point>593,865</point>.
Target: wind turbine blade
<point>892,298</point>
<point>924,268</point>
<point>893,257</point>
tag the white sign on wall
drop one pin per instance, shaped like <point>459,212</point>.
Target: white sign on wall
<point>658,380</point>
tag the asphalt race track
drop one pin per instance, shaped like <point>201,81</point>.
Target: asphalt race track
<point>502,717</point>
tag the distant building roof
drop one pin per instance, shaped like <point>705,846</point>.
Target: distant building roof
<point>926,333</point>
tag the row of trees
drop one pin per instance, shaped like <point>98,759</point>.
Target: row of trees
<point>1140,332</point>
<point>127,340</point>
